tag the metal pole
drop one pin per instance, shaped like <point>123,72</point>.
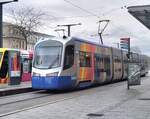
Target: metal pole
<point>100,35</point>
<point>118,45</point>
<point>128,62</point>
<point>100,31</point>
<point>1,20</point>
<point>68,30</point>
<point>69,27</point>
<point>1,25</point>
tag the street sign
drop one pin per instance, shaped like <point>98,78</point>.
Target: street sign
<point>124,43</point>
<point>124,47</point>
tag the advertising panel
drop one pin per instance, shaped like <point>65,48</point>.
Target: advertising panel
<point>15,64</point>
<point>134,74</point>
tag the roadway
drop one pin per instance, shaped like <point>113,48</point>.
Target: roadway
<point>111,101</point>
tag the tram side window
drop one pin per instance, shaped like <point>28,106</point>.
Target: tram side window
<point>107,64</point>
<point>4,67</point>
<point>69,57</point>
<point>97,61</point>
<point>85,59</point>
<point>117,61</point>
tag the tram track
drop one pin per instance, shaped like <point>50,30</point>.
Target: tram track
<point>25,99</point>
<point>43,98</point>
<point>36,106</point>
<point>25,93</point>
<point>59,98</point>
<point>47,99</point>
<point>3,104</point>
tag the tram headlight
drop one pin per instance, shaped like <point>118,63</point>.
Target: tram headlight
<point>52,74</point>
<point>35,74</point>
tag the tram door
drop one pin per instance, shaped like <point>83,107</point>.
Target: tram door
<point>102,68</point>
<point>99,68</point>
<point>85,66</point>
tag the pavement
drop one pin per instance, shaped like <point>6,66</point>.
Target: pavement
<point>15,89</point>
<point>111,101</point>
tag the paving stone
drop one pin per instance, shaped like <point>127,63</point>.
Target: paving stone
<point>114,102</point>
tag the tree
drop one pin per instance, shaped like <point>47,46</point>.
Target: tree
<point>26,20</point>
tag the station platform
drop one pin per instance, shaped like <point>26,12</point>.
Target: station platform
<point>15,89</point>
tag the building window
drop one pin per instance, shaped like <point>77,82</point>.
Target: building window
<point>85,59</point>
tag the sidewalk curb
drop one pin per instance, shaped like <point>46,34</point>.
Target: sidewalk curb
<point>6,92</point>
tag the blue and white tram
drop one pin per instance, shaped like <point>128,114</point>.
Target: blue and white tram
<point>72,62</point>
<point>48,64</point>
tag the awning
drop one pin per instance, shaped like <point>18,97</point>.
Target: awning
<point>141,13</point>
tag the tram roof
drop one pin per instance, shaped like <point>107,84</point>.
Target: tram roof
<point>64,41</point>
<point>141,13</point>
<point>54,38</point>
<point>90,42</point>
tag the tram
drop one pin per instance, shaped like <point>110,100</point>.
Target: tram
<point>10,68</point>
<point>73,63</point>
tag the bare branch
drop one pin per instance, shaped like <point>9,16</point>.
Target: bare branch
<point>26,20</point>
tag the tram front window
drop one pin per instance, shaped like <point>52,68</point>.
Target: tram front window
<point>48,55</point>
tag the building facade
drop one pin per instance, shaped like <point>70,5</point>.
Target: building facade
<point>12,37</point>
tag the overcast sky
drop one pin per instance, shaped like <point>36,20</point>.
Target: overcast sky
<point>89,12</point>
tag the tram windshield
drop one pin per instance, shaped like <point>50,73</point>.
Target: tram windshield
<point>47,55</point>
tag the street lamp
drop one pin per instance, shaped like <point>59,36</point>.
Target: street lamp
<point>1,18</point>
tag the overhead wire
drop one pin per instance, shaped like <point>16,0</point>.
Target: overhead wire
<point>85,10</point>
<point>91,14</point>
